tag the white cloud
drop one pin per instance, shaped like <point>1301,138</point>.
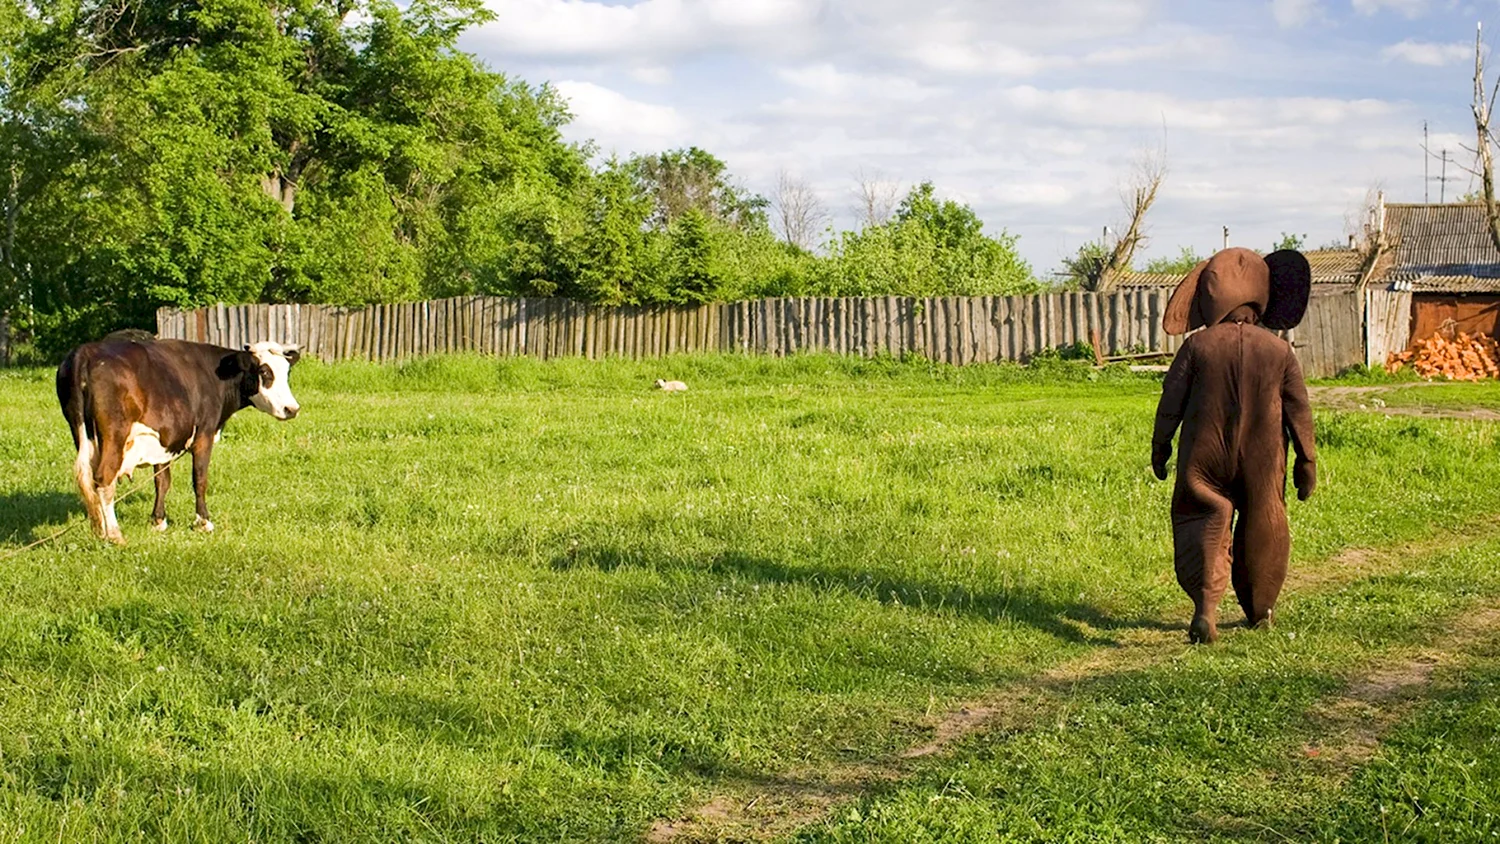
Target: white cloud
<point>656,75</point>
<point>1427,53</point>
<point>1006,37</point>
<point>1409,8</point>
<point>618,122</point>
<point>1294,13</point>
<point>1030,111</point>
<point>653,28</point>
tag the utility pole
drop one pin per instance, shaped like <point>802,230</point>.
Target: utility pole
<point>1427,177</point>
<point>1226,237</point>
<point>1426,168</point>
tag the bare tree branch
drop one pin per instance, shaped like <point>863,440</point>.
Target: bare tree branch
<point>1138,195</point>
<point>799,212</point>
<point>876,197</point>
<point>1483,107</point>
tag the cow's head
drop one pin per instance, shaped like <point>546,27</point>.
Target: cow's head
<point>262,371</point>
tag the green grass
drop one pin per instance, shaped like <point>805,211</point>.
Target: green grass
<point>467,599</point>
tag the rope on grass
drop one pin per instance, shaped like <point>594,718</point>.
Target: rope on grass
<point>134,488</point>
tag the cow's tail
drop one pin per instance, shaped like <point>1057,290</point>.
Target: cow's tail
<point>72,392</point>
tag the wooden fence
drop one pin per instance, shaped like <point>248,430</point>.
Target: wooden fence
<point>957,330</point>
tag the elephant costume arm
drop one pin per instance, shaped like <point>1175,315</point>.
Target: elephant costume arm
<point>1174,397</point>
<point>1297,418</point>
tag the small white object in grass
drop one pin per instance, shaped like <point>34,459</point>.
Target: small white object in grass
<point>671,386</point>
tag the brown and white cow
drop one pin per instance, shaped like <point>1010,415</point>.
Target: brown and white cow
<point>132,400</point>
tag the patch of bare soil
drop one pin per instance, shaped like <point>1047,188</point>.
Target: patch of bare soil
<point>763,808</point>
<point>1352,723</point>
<point>1367,400</point>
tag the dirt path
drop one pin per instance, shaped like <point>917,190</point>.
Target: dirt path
<point>1367,400</point>
<point>1353,722</point>
<point>764,808</point>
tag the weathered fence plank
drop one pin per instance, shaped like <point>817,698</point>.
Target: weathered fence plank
<point>1340,330</point>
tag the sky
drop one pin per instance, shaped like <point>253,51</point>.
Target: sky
<point>1277,116</point>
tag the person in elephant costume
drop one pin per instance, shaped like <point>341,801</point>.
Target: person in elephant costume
<point>1236,390</point>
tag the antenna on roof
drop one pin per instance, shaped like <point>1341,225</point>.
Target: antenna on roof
<point>1427,179</point>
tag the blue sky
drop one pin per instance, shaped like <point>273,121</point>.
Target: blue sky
<point>1276,116</point>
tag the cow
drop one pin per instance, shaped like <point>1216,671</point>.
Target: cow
<point>132,400</point>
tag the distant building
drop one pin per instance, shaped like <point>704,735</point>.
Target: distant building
<point>1439,253</point>
<point>1334,271</point>
<point>1443,256</point>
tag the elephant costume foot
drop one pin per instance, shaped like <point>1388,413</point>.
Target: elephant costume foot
<point>1203,631</point>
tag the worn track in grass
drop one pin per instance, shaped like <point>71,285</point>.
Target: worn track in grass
<point>1366,400</point>
<point>761,808</point>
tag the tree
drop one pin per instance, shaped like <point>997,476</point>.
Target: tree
<point>1138,195</point>
<point>692,273</point>
<point>346,151</point>
<point>686,179</point>
<point>1290,241</point>
<point>799,213</point>
<point>875,198</point>
<point>1482,107</point>
<point>931,247</point>
<point>1099,264</point>
<point>1087,265</point>
<point>1182,264</point>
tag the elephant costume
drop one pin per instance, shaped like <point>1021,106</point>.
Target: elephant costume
<point>1236,390</point>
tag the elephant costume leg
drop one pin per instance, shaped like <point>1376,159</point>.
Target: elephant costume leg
<point>1262,547</point>
<point>1202,533</point>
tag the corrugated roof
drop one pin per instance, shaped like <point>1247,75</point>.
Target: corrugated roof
<point>1446,284</point>
<point>1335,266</point>
<point>1329,266</point>
<point>1133,280</point>
<point>1449,241</point>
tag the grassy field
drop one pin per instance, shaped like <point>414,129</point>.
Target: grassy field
<point>517,601</point>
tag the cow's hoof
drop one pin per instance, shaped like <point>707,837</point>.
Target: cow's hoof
<point>114,537</point>
<point>203,525</point>
<point>1265,622</point>
<point>1202,632</point>
<point>159,527</point>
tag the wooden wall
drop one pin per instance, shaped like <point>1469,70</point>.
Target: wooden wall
<point>958,330</point>
<point>1388,324</point>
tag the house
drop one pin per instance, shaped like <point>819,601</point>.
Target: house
<point>1334,271</point>
<point>1440,254</point>
<point>1443,256</point>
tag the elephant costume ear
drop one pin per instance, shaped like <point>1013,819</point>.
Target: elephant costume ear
<point>1291,285</point>
<point>1182,309</point>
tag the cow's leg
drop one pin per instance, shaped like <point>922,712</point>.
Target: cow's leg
<point>106,473</point>
<point>83,474</point>
<point>163,475</point>
<point>202,450</point>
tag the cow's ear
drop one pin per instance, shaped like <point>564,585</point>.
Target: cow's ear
<point>292,355</point>
<point>234,365</point>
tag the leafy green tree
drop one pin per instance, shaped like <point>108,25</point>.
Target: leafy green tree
<point>1084,269</point>
<point>1290,241</point>
<point>1180,264</point>
<point>685,179</point>
<point>239,150</point>
<point>932,247</point>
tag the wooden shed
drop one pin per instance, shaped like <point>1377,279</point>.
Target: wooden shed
<point>1443,256</point>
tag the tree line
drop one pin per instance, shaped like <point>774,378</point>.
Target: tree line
<point>175,153</point>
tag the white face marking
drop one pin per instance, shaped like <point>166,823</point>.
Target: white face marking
<point>277,399</point>
<point>142,447</point>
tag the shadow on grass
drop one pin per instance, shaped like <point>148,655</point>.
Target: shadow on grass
<point>1075,622</point>
<point>23,511</point>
